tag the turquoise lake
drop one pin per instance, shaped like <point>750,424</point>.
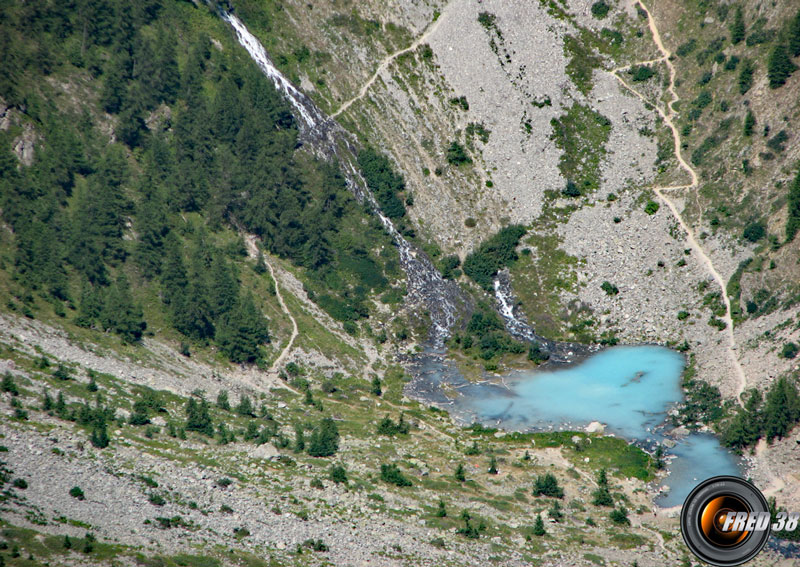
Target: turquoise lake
<point>629,388</point>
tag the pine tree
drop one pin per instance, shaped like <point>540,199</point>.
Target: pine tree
<point>737,26</point>
<point>198,418</point>
<point>555,512</point>
<point>121,314</point>
<point>793,216</point>
<point>794,35</point>
<point>173,271</point>
<point>324,440</point>
<point>242,331</point>
<point>781,409</point>
<point>376,386</point>
<point>779,66</point>
<point>299,438</point>
<point>152,227</point>
<point>245,407</point>
<point>99,437</point>
<point>223,289</point>
<point>620,516</point>
<point>538,526</point>
<point>227,111</point>
<point>602,496</point>
<point>749,123</point>
<point>547,485</point>
<point>222,400</point>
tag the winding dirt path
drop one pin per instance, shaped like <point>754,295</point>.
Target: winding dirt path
<point>252,251</point>
<point>288,348</point>
<point>668,115</point>
<point>387,60</point>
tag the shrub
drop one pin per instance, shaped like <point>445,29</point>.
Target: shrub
<point>620,516</point>
<point>641,73</point>
<point>390,428</point>
<point>754,231</point>
<point>393,475</point>
<point>156,499</point>
<point>457,154</point>
<point>337,474</point>
<point>547,485</point>
<point>8,385</point>
<point>651,207</point>
<point>470,222</point>
<point>683,315</point>
<point>609,288</point>
<point>571,189</point>
<point>77,493</point>
<point>600,9</point>
<point>20,483</point>
<point>789,350</point>
<point>495,253</point>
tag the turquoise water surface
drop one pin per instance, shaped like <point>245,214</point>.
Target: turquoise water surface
<point>630,389</point>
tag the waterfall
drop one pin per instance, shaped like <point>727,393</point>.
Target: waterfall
<point>515,322</point>
<point>442,298</point>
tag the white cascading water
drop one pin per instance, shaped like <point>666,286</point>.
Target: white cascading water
<point>516,326</point>
<point>424,282</point>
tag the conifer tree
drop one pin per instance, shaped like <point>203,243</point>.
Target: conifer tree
<point>538,526</point>
<point>222,400</point>
<point>794,35</point>
<point>779,66</point>
<point>121,314</point>
<point>737,26</point>
<point>198,418</point>
<point>324,440</point>
<point>793,217</point>
<point>242,331</point>
<point>245,407</point>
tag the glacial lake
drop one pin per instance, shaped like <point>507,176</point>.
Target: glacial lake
<point>630,389</point>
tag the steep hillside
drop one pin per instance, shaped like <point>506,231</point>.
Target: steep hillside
<point>209,308</point>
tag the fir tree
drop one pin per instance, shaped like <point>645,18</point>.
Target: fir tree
<point>493,465</point>
<point>555,512</point>
<point>538,526</point>
<point>749,123</point>
<point>620,516</point>
<point>781,409</point>
<point>441,511</point>
<point>793,216</point>
<point>222,400</point>
<point>779,66</point>
<point>245,407</point>
<point>460,475</point>
<point>152,227</point>
<point>242,331</point>
<point>198,418</point>
<point>737,26</point>
<point>223,290</point>
<point>121,314</point>
<point>299,438</point>
<point>547,485</point>
<point>324,440</point>
<point>794,35</point>
<point>99,437</point>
